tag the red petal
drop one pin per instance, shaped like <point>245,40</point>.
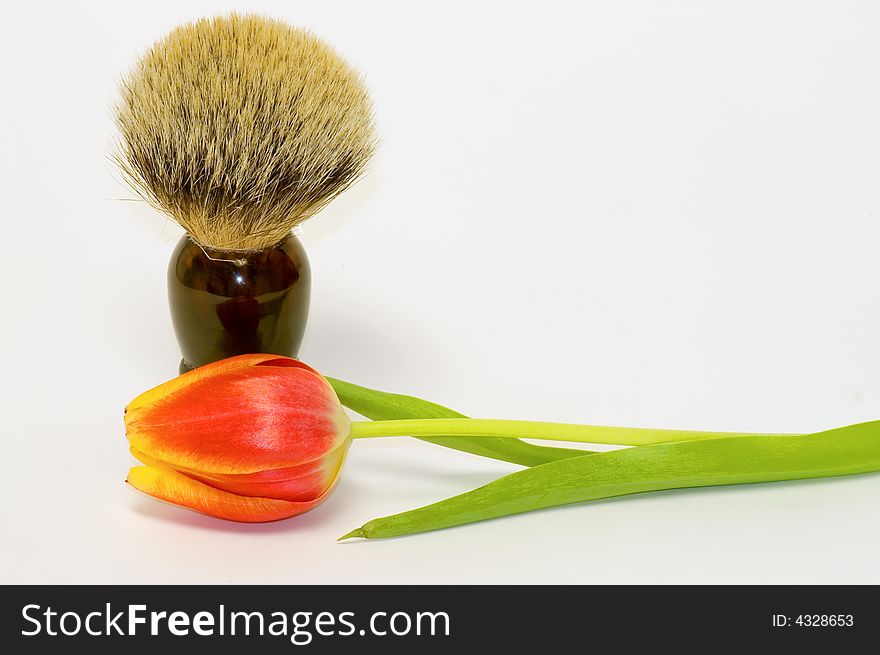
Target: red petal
<point>179,489</point>
<point>155,394</point>
<point>240,419</point>
<point>300,483</point>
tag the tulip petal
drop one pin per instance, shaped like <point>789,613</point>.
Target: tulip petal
<point>179,489</point>
<point>299,483</point>
<point>287,362</point>
<point>242,417</point>
<point>148,398</point>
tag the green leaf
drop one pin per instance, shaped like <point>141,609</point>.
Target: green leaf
<point>383,406</point>
<point>723,461</point>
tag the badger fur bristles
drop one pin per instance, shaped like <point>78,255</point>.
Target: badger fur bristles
<point>241,127</point>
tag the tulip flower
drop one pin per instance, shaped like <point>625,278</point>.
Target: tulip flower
<point>259,438</point>
<point>250,438</point>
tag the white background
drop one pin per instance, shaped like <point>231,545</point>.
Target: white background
<point>632,213</point>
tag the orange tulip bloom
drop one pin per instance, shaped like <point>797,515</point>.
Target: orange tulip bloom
<point>251,438</point>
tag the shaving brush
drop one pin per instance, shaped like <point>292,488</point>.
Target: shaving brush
<point>240,128</point>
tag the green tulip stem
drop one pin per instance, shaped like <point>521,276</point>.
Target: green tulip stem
<point>467,427</point>
<point>384,406</point>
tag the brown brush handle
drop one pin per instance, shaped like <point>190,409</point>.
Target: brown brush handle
<point>232,303</point>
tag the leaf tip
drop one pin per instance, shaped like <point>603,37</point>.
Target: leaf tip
<point>357,533</point>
